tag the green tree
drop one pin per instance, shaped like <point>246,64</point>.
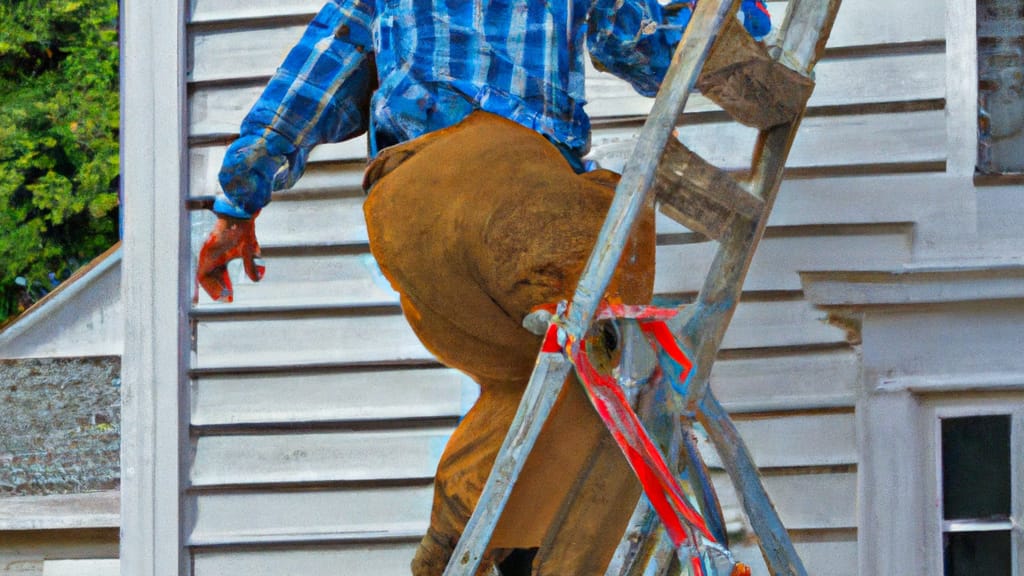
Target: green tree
<point>59,119</point>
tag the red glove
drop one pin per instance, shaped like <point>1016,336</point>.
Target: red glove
<point>231,238</point>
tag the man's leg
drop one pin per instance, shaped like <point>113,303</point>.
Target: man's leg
<point>474,227</point>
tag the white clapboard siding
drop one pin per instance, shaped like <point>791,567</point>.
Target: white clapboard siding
<point>320,177</point>
<point>682,267</point>
<point>312,222</point>
<point>787,382</point>
<point>313,280</point>
<point>848,199</point>
<point>833,555</point>
<point>858,80</point>
<point>340,278</point>
<point>811,501</point>
<point>220,54</point>
<point>82,567</point>
<point>852,199</point>
<point>317,417</point>
<point>264,341</point>
<point>871,79</point>
<point>823,141</point>
<point>860,22</point>
<point>282,516</point>
<point>211,11</point>
<point>326,396</point>
<point>376,559</point>
<point>258,341</point>
<point>338,220</point>
<point>280,458</point>
<point>793,441</point>
<point>821,557</point>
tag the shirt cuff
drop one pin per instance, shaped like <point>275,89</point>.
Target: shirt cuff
<point>223,206</point>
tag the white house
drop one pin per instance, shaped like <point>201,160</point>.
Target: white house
<point>296,430</point>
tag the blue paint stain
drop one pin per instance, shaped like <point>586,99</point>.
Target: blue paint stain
<point>469,394</point>
<point>376,275</point>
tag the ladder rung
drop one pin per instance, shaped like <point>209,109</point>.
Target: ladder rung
<point>698,195</point>
<point>750,85</point>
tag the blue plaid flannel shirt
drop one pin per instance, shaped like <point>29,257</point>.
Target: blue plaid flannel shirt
<point>399,69</point>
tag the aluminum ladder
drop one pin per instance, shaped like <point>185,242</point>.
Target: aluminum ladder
<point>711,202</point>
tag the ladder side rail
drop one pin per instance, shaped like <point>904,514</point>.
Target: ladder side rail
<point>804,32</point>
<point>662,559</point>
<point>776,547</point>
<point>642,541</point>
<point>716,303</point>
<point>694,470</point>
<point>705,322</point>
<point>700,480</point>
<point>638,177</point>
<point>721,291</point>
<point>636,545</point>
<point>802,39</point>
<point>630,195</point>
<point>805,29</point>
<point>545,384</point>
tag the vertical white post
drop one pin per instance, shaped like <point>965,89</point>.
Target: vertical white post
<point>961,87</point>
<point>153,286</point>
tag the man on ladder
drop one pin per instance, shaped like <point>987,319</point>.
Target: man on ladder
<point>480,209</point>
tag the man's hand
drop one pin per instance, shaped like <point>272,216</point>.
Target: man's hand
<point>231,238</point>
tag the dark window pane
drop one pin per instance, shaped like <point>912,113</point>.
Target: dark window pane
<point>978,553</point>
<point>976,467</point>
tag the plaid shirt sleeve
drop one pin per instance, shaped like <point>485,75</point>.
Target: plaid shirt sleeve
<point>635,39</point>
<point>321,93</point>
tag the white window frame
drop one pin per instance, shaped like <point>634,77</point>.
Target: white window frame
<point>944,406</point>
<point>899,479</point>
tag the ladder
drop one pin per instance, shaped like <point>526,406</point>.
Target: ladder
<point>770,92</point>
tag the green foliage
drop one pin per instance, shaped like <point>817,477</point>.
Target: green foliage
<point>59,119</point>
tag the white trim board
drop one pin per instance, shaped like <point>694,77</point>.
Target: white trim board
<point>920,285</point>
<point>153,153</point>
<point>61,512</point>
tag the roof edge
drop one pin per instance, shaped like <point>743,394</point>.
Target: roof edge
<point>74,284</point>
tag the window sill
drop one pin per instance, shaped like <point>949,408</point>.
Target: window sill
<point>1007,179</point>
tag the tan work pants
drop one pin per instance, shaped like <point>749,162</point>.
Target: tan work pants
<point>474,226</point>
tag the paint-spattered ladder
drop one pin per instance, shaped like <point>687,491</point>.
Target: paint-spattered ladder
<point>764,87</point>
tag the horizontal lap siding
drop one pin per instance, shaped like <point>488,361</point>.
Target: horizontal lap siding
<point>317,418</point>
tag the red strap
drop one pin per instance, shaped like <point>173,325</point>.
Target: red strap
<point>551,340</point>
<point>664,337</point>
<point>658,482</point>
<point>607,397</point>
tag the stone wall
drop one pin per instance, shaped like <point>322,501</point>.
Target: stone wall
<point>1001,86</point>
<point>60,423</point>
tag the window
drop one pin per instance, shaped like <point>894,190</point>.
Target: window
<point>1000,87</point>
<point>976,495</point>
<point>979,494</point>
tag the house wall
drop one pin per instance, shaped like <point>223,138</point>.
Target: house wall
<point>79,552</point>
<point>316,418</point>
<point>59,466</point>
<point>82,318</point>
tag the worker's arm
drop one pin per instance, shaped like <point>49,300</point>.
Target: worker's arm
<point>319,94</point>
<point>635,39</point>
